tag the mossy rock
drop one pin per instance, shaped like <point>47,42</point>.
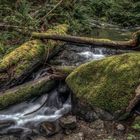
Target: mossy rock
<point>18,64</point>
<point>108,84</point>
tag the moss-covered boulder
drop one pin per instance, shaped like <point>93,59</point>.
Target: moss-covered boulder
<point>17,65</point>
<point>109,84</point>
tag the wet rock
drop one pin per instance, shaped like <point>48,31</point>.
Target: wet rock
<point>63,88</point>
<point>50,111</point>
<point>68,122</point>
<point>49,128</point>
<point>69,55</point>
<point>82,111</point>
<point>78,136</point>
<point>98,124</point>
<point>90,116</point>
<point>6,123</point>
<point>16,131</point>
<point>104,115</point>
<point>63,91</point>
<point>120,127</point>
<point>8,138</point>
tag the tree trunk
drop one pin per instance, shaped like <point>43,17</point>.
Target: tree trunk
<point>27,90</point>
<point>131,44</point>
<point>17,65</point>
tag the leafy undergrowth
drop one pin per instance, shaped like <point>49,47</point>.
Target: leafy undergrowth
<point>19,17</point>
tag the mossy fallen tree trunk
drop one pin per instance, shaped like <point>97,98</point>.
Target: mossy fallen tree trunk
<point>17,65</point>
<point>27,90</point>
<point>131,44</point>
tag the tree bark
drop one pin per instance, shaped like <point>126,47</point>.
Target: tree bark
<point>131,44</point>
<point>27,90</point>
<point>16,66</point>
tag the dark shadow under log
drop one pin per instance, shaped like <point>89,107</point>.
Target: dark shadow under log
<point>131,44</point>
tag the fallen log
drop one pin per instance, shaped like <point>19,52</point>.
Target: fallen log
<point>16,66</point>
<point>131,44</point>
<point>63,70</point>
<point>27,90</point>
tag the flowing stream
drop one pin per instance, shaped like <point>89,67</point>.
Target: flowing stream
<point>51,106</point>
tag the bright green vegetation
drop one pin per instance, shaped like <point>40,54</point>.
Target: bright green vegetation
<point>25,91</point>
<point>25,16</point>
<point>136,124</point>
<point>109,83</point>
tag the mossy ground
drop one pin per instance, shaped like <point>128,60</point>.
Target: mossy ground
<point>109,83</point>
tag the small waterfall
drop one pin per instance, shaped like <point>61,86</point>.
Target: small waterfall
<point>29,115</point>
<point>95,54</point>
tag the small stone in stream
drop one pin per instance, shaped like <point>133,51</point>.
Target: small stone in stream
<point>16,131</point>
<point>68,122</point>
<point>120,127</point>
<point>50,111</point>
<point>90,116</point>
<point>63,89</point>
<point>6,123</point>
<point>49,128</point>
<point>78,136</point>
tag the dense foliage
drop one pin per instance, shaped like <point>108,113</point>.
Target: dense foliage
<point>38,15</point>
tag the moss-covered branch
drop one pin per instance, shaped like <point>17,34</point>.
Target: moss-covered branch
<point>25,91</point>
<point>130,44</point>
<point>17,65</point>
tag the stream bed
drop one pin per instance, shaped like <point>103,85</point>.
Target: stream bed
<point>27,117</point>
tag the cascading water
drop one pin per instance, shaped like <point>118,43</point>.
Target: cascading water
<point>26,116</point>
<point>29,115</point>
<point>96,55</point>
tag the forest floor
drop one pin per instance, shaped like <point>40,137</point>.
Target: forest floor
<point>17,20</point>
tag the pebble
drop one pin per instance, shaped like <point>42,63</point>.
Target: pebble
<point>120,127</point>
<point>68,122</point>
<point>78,136</point>
<point>49,128</point>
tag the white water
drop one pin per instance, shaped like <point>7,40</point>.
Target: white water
<point>50,113</point>
<point>96,55</point>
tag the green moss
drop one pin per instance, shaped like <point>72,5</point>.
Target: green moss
<point>136,124</point>
<point>25,91</point>
<point>65,69</point>
<point>26,52</point>
<point>25,58</point>
<point>109,83</point>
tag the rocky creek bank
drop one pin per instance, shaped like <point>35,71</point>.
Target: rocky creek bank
<point>52,91</point>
